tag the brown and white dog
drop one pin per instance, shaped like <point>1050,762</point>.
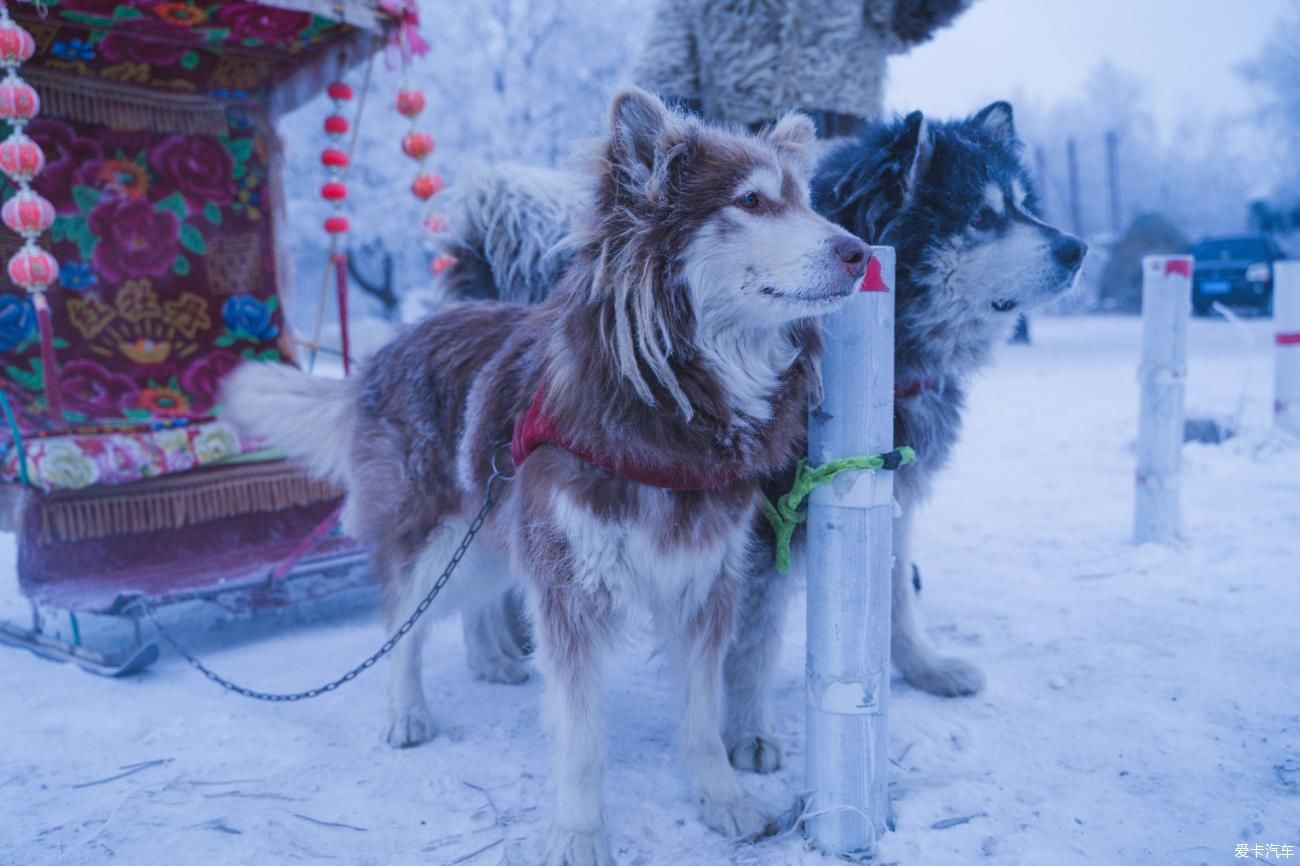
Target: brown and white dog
<point>668,372</point>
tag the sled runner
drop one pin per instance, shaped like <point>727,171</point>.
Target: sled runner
<point>162,196</point>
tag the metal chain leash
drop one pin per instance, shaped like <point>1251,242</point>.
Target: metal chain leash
<point>475,525</point>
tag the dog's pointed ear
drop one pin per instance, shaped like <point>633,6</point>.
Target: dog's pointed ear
<point>637,123</point>
<point>914,149</point>
<point>997,122</point>
<point>908,161</point>
<point>794,136</point>
<point>875,180</point>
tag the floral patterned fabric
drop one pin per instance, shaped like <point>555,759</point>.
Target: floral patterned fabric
<point>75,462</point>
<point>231,50</point>
<point>162,234</point>
<point>168,275</point>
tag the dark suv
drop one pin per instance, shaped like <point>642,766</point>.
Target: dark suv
<point>1236,271</point>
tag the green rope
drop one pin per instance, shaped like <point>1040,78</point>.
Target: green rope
<point>17,437</point>
<point>786,514</point>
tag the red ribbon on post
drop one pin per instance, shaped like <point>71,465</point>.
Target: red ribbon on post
<point>874,279</point>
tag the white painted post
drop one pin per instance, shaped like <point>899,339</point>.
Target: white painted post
<point>850,560</point>
<point>1166,303</point>
<point>1286,338</point>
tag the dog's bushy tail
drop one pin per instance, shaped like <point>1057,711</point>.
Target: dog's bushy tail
<point>308,417</point>
<point>509,226</point>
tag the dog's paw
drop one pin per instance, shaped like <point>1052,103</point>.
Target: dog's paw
<point>947,677</point>
<point>501,669</point>
<point>410,727</point>
<point>736,817</point>
<point>575,848</point>
<point>754,753</point>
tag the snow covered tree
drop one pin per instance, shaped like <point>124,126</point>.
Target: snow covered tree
<point>1276,70</point>
<point>1199,176</point>
<point>506,80</point>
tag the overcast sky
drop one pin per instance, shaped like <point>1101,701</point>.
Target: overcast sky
<point>1187,52</point>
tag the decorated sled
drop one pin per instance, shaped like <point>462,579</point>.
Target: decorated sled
<point>141,154</point>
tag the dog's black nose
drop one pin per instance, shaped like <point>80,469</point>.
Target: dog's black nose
<point>1069,251</point>
<point>853,253</point>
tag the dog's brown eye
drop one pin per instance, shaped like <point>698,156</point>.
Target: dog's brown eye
<point>987,218</point>
<point>748,201</point>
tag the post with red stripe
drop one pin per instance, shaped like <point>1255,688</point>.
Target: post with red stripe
<point>1286,364</point>
<point>850,562</point>
<point>1166,305</point>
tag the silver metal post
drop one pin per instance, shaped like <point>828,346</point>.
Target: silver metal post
<point>850,560</point>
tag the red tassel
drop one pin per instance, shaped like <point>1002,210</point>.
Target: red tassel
<point>341,282</point>
<point>49,366</point>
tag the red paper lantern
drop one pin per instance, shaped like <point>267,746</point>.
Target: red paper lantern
<point>410,103</point>
<point>334,158</point>
<point>336,124</point>
<point>334,191</point>
<point>16,44</point>
<point>417,145</point>
<point>28,213</point>
<point>33,268</point>
<point>20,157</point>
<point>18,100</point>
<point>339,92</point>
<point>442,262</point>
<point>336,225</point>
<point>426,186</point>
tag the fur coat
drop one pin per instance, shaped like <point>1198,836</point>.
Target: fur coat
<point>751,61</point>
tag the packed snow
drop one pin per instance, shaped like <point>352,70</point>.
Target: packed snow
<point>1141,705</point>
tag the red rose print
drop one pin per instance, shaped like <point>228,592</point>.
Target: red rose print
<point>134,239</point>
<point>197,165</point>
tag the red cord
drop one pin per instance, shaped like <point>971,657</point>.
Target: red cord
<point>322,530</point>
<point>49,366</point>
<point>340,261</point>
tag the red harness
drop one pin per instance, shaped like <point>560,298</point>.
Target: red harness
<point>537,428</point>
<point>914,388</point>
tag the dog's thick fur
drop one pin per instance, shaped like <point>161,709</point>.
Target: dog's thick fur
<point>956,202</point>
<point>680,334</point>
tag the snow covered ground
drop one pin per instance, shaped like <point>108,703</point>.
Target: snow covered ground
<point>1142,703</point>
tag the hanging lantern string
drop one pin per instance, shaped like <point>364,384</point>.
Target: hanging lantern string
<point>337,258</point>
<point>419,146</point>
<point>26,212</point>
<point>416,144</point>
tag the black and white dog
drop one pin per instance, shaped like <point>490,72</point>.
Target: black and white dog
<point>957,203</point>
